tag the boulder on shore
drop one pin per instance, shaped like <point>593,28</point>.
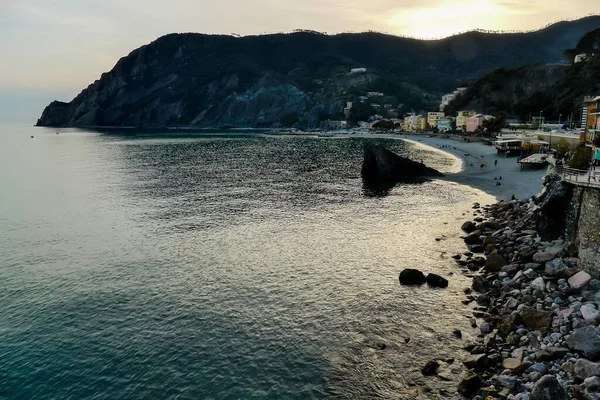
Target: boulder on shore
<point>586,341</point>
<point>412,277</point>
<point>468,227</point>
<point>494,262</point>
<point>548,388</point>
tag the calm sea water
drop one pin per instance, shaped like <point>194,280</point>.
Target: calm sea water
<point>223,267</point>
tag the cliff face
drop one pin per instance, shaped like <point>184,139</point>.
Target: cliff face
<point>382,169</point>
<point>292,79</point>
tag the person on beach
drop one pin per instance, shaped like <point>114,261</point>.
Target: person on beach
<point>495,163</point>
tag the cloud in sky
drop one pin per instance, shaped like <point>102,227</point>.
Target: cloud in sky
<point>67,44</point>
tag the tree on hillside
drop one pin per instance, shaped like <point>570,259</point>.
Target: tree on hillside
<point>385,125</point>
<point>588,44</point>
<point>359,112</point>
<point>496,124</point>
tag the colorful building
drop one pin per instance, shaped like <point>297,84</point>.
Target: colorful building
<point>414,123</point>
<point>422,123</point>
<point>461,119</point>
<point>590,125</point>
<point>433,118</point>
<point>445,124</point>
<point>476,121</point>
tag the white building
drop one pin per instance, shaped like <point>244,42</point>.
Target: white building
<point>358,70</point>
<point>447,98</point>
<point>580,58</point>
<point>374,94</point>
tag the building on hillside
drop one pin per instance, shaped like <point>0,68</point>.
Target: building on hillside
<point>422,123</point>
<point>590,124</point>
<point>447,98</point>
<point>476,121</point>
<point>375,94</point>
<point>375,106</point>
<point>433,118</point>
<point>358,70</point>
<point>461,119</point>
<point>445,124</point>
<point>363,99</point>
<point>411,122</point>
<point>580,58</point>
<point>347,109</point>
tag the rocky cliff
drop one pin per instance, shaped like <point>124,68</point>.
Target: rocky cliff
<point>382,169</point>
<point>293,79</point>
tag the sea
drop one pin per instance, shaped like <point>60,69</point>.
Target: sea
<point>169,265</point>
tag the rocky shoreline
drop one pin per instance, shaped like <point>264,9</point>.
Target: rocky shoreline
<point>536,312</point>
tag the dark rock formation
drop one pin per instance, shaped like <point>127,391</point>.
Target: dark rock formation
<point>553,201</point>
<point>382,169</point>
<point>412,277</point>
<point>437,281</point>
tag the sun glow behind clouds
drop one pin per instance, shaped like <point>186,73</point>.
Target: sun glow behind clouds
<point>449,17</point>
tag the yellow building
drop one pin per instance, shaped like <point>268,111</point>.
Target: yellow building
<point>461,119</point>
<point>422,123</point>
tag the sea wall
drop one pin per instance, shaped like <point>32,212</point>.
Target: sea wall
<point>582,230</point>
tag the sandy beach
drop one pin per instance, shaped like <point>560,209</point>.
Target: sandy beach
<point>521,184</point>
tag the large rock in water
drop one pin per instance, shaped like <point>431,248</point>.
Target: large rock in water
<point>412,277</point>
<point>382,169</point>
<point>435,280</point>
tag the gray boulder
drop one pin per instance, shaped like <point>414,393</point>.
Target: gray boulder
<point>585,368</point>
<point>548,388</point>
<point>494,262</point>
<point>586,340</point>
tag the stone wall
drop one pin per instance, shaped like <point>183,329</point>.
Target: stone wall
<point>582,230</point>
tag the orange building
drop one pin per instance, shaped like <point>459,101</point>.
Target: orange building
<point>589,118</point>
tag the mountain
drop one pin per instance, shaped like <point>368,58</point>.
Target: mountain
<point>295,79</point>
<point>525,91</point>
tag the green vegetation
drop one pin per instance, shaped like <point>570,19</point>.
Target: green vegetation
<point>218,80</point>
<point>496,124</point>
<point>562,147</point>
<point>581,157</point>
<point>385,125</point>
<point>289,120</point>
<point>526,91</point>
<point>588,44</point>
<point>359,112</point>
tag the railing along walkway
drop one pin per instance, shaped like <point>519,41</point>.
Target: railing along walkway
<point>579,177</point>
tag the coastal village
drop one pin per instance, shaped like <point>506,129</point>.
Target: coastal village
<point>510,137</point>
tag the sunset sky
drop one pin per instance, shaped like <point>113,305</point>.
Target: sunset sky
<point>55,48</point>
